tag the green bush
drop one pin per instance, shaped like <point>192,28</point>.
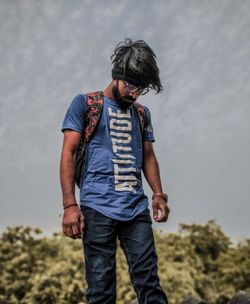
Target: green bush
<point>199,260</point>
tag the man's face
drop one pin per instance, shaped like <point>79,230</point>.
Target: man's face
<point>121,94</point>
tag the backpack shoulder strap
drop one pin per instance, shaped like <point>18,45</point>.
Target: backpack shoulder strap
<point>141,114</point>
<point>93,113</point>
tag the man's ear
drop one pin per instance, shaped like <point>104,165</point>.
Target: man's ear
<point>114,80</point>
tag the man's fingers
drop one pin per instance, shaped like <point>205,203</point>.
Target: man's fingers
<point>164,213</point>
<point>162,217</point>
<point>72,230</point>
<point>168,210</point>
<point>155,213</point>
<point>75,229</point>
<point>68,230</point>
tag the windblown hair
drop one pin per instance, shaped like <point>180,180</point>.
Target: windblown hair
<point>137,57</point>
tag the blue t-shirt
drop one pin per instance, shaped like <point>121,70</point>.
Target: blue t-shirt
<point>112,181</point>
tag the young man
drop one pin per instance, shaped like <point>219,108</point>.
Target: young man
<point>112,201</point>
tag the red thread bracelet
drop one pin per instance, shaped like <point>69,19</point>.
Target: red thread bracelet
<point>75,204</point>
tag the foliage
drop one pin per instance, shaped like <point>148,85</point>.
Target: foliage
<point>199,260</point>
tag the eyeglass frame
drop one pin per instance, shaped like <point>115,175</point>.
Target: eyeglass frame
<point>132,88</point>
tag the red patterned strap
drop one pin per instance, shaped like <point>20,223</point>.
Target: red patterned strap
<point>93,113</point>
<point>141,114</point>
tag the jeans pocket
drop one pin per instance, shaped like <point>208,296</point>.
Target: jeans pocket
<point>86,210</point>
<point>144,216</point>
<point>83,208</point>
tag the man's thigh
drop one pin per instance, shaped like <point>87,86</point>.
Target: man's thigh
<point>99,243</point>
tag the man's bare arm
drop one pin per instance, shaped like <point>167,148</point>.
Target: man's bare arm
<point>152,174</point>
<point>67,166</point>
<point>73,220</point>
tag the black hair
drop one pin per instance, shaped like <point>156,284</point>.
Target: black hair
<point>137,58</point>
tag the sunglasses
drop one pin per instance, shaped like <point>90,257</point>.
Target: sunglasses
<point>131,88</point>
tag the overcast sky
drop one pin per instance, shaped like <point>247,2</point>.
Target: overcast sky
<point>50,51</point>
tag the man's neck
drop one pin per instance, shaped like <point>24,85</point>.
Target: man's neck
<point>108,91</point>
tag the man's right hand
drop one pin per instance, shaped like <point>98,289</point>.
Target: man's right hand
<point>73,222</point>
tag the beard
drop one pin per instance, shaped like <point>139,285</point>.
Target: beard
<point>124,102</point>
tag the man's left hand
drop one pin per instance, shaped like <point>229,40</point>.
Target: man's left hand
<point>159,203</point>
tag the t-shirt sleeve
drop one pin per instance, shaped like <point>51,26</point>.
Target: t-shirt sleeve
<point>74,118</point>
<point>148,133</point>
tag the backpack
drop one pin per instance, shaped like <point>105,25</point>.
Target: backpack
<point>92,116</point>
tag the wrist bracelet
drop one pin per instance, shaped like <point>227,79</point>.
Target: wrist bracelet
<point>70,205</point>
<point>161,194</point>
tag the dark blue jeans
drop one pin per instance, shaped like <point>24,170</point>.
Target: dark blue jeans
<point>137,241</point>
